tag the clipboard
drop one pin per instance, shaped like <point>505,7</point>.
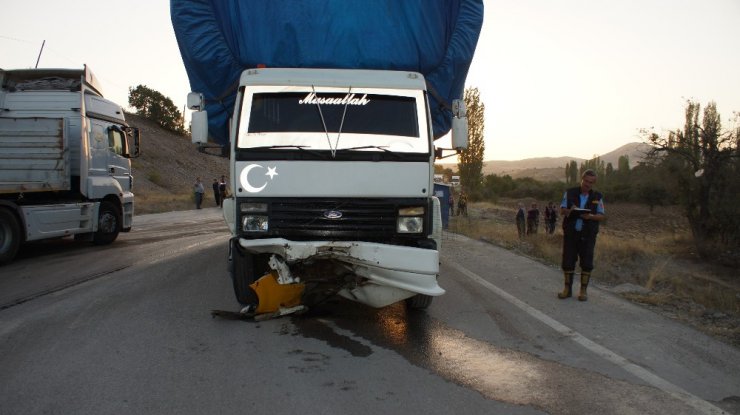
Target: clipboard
<point>576,212</point>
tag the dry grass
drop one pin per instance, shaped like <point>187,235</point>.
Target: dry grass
<point>649,249</point>
<point>164,202</point>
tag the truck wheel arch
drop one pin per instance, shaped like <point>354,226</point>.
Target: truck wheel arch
<point>10,235</point>
<point>109,223</point>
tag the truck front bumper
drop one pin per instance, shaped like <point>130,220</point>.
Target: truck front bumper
<point>392,273</point>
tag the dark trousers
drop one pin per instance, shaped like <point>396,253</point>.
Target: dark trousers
<point>521,227</point>
<point>578,246</point>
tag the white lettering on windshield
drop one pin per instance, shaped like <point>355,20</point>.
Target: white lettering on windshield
<point>348,99</point>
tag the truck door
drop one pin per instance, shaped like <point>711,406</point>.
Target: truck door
<point>107,147</point>
<point>119,165</point>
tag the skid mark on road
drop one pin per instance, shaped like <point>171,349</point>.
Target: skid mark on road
<point>697,403</point>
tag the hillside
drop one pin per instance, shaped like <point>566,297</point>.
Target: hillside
<point>167,168</point>
<point>553,168</point>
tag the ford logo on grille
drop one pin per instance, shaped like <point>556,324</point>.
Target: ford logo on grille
<point>332,214</point>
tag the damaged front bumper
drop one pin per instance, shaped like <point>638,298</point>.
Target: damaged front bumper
<point>387,273</point>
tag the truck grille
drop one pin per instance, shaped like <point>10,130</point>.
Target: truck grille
<point>333,218</point>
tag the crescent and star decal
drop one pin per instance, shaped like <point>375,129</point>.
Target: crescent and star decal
<point>244,178</point>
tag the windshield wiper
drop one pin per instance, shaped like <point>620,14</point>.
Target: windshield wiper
<point>383,148</point>
<point>289,146</point>
<point>277,146</point>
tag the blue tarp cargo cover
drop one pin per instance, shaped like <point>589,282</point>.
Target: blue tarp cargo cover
<point>218,39</point>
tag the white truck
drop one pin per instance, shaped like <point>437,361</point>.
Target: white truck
<point>329,112</point>
<point>332,175</point>
<point>64,159</point>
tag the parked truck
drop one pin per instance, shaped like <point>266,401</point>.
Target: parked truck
<point>65,153</point>
<point>330,111</point>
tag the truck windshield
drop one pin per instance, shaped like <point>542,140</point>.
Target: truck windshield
<point>352,121</point>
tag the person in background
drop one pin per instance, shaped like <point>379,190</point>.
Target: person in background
<point>533,219</point>
<point>216,192</point>
<point>582,209</point>
<point>198,190</point>
<point>521,225</point>
<point>462,204</point>
<point>222,189</point>
<point>551,218</point>
<point>452,203</point>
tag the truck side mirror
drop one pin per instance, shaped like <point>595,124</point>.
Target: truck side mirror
<point>459,125</point>
<point>199,127</point>
<point>133,142</point>
<point>196,101</point>
<point>199,120</point>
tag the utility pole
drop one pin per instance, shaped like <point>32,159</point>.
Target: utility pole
<point>42,49</point>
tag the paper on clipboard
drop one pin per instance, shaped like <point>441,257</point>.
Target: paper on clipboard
<point>576,212</point>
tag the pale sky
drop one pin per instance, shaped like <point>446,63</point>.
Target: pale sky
<point>558,77</point>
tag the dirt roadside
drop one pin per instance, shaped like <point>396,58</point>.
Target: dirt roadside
<point>657,281</point>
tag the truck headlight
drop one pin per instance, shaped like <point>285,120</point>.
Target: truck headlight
<point>255,223</point>
<point>410,220</point>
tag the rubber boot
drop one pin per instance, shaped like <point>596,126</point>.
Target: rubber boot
<point>568,289</point>
<point>585,277</point>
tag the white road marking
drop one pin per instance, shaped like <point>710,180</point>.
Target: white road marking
<point>651,378</point>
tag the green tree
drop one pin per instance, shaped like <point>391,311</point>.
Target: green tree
<point>596,164</point>
<point>470,163</point>
<point>153,105</point>
<point>623,165</point>
<point>571,173</point>
<point>702,160</point>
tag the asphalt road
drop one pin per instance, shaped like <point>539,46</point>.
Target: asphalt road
<point>127,329</point>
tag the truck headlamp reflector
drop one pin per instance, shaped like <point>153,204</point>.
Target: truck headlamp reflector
<point>253,207</point>
<point>255,223</point>
<point>411,211</point>
<point>410,224</point>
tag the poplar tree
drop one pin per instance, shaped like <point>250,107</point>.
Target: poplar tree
<point>470,163</point>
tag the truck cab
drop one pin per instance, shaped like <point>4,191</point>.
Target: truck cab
<point>332,175</point>
<point>66,153</point>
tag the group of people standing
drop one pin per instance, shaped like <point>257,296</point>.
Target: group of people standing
<point>528,221</point>
<point>219,191</point>
<point>582,208</point>
<point>462,204</point>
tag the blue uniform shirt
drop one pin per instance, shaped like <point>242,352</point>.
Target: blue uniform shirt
<point>582,205</point>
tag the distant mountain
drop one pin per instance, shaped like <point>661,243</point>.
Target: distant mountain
<point>553,168</point>
<point>635,151</point>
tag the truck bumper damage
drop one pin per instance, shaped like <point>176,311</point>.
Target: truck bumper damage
<point>379,274</point>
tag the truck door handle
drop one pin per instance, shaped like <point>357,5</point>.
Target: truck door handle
<point>112,170</point>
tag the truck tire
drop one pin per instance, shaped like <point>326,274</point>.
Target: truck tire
<point>246,268</point>
<point>419,301</point>
<point>10,236</point>
<point>109,224</point>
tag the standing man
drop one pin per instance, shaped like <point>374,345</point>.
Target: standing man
<point>462,204</point>
<point>452,203</point>
<point>551,217</point>
<point>222,189</point>
<point>198,190</point>
<point>216,192</point>
<point>533,219</point>
<point>582,209</point>
<point>521,221</point>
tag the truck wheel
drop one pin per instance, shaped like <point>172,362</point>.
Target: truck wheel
<point>10,236</point>
<point>419,301</point>
<point>246,268</point>
<point>109,224</point>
